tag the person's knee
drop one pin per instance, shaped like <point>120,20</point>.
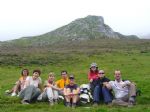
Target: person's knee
<point>38,91</point>
<point>75,98</point>
<point>97,88</point>
<point>31,87</point>
<point>67,98</point>
<point>104,89</point>
<point>68,90</point>
<point>132,85</point>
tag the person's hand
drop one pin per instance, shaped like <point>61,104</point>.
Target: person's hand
<point>104,83</point>
<point>91,80</point>
<point>71,94</point>
<point>124,85</point>
<point>60,89</point>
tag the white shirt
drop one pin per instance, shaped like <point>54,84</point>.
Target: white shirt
<point>118,88</point>
<point>35,82</point>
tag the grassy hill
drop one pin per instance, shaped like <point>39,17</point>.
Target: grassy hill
<point>132,57</point>
<point>67,50</point>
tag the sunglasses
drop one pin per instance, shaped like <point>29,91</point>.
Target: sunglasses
<point>101,73</point>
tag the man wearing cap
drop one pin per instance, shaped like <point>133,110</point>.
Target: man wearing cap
<point>71,92</point>
<point>125,91</point>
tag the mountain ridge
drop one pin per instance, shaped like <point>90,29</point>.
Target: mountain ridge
<point>88,28</point>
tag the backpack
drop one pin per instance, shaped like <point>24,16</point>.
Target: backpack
<point>85,94</point>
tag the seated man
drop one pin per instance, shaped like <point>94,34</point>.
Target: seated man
<point>100,91</point>
<point>62,82</point>
<point>125,91</point>
<point>71,93</point>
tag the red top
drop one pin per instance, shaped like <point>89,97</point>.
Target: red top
<point>93,75</point>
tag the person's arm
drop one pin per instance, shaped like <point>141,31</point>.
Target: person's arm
<point>126,83</point>
<point>89,77</point>
<point>27,82</point>
<point>57,83</point>
<point>108,85</point>
<point>78,90</point>
<point>46,84</point>
<point>56,88</point>
<point>106,80</point>
<point>65,92</point>
<point>40,87</point>
<point>40,84</point>
<point>105,83</point>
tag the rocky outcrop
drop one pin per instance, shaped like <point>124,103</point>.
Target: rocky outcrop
<point>89,27</point>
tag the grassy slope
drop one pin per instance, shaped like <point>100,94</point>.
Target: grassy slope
<point>134,66</point>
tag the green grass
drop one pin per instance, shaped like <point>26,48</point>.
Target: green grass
<point>134,67</point>
<point>131,57</point>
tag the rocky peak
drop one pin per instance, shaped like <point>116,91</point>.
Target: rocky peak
<point>90,27</point>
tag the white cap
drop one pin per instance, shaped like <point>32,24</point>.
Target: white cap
<point>93,65</point>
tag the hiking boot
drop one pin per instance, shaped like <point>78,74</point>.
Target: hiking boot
<point>13,94</point>
<point>25,102</point>
<point>7,92</point>
<point>68,104</point>
<point>132,100</point>
<point>130,104</point>
<point>55,101</point>
<point>109,104</point>
<point>74,105</point>
<point>51,103</point>
<point>95,104</point>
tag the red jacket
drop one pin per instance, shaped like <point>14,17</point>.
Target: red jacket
<point>93,75</point>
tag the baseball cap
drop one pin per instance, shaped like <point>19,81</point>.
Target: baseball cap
<point>71,77</point>
<point>93,65</point>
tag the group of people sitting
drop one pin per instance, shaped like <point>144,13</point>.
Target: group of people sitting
<point>124,91</point>
<point>118,92</point>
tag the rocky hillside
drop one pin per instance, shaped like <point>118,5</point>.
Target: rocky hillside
<point>90,27</point>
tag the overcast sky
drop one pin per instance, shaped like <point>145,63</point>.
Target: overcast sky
<point>19,18</point>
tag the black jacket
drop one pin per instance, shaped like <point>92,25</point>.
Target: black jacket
<point>101,81</point>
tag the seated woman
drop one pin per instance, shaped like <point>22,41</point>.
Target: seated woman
<point>93,76</point>
<point>51,91</point>
<point>19,84</point>
<point>100,91</point>
<point>71,92</point>
<point>32,88</point>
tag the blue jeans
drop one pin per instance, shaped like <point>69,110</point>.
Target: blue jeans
<point>30,93</point>
<point>101,93</point>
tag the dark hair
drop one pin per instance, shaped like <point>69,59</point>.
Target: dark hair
<point>63,71</point>
<point>39,71</point>
<point>96,71</point>
<point>25,70</point>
